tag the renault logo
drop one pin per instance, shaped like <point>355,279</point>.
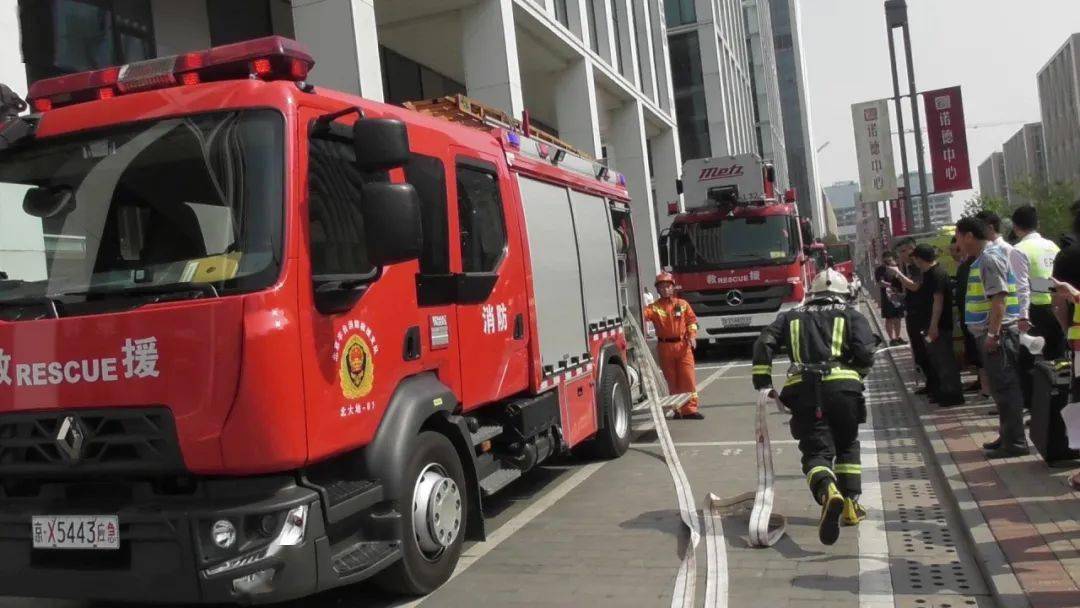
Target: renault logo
<point>70,438</point>
<point>734,297</point>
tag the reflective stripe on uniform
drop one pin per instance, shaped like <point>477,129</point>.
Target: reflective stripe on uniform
<point>817,470</point>
<point>796,347</point>
<point>837,373</point>
<point>837,337</point>
<point>762,370</point>
<point>1074,331</point>
<point>848,469</point>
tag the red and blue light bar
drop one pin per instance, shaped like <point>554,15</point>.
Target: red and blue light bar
<point>269,58</point>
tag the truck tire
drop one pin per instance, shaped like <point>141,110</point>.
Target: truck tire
<point>434,509</point>
<point>613,438</point>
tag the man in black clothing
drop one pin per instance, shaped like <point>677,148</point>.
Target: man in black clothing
<point>933,315</point>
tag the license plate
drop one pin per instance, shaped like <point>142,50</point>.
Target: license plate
<point>75,532</point>
<point>735,321</point>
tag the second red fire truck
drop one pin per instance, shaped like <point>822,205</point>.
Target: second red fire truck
<point>737,251</point>
<point>265,339</point>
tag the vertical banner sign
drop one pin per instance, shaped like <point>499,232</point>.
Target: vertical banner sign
<point>901,223</point>
<point>948,139</point>
<point>873,145</point>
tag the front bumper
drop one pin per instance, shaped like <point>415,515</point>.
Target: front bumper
<point>165,554</point>
<point>718,328</point>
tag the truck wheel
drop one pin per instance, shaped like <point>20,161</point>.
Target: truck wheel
<point>613,439</point>
<point>433,508</point>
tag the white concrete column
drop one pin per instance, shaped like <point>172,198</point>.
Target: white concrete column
<point>180,27</point>
<point>12,68</point>
<point>345,43</point>
<point>489,46</point>
<point>667,167</point>
<point>576,107</point>
<point>629,156</point>
<point>662,57</point>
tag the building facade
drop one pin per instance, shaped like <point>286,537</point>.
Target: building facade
<point>992,181</point>
<point>1059,101</point>
<point>768,113</point>
<point>795,106</point>
<point>712,77</point>
<point>596,72</point>
<point>1024,161</point>
<point>844,199</point>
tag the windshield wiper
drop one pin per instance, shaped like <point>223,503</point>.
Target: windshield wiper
<point>50,303</point>
<point>163,289</point>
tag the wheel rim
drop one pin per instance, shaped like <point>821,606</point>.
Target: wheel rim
<point>621,411</point>
<point>437,510</point>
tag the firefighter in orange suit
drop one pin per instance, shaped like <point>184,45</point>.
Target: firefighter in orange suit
<point>676,327</point>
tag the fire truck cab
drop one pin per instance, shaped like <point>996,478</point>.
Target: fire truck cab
<point>278,339</point>
<point>737,251</point>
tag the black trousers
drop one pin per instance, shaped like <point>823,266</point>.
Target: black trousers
<point>828,434</point>
<point>1045,324</point>
<point>947,387</point>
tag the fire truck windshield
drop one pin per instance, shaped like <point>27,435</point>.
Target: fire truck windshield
<point>189,205</point>
<point>733,242</point>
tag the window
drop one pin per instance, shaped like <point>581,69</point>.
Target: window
<point>594,32</point>
<point>480,215</point>
<point>65,36</point>
<point>616,24</point>
<point>238,20</point>
<point>405,80</point>
<point>334,211</point>
<point>427,175</point>
<point>690,109</point>
<point>562,14</point>
<point>679,12</point>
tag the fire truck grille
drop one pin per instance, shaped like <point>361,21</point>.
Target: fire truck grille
<point>106,441</point>
<point>748,300</point>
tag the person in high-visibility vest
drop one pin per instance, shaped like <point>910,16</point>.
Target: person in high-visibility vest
<point>832,350</point>
<point>1037,318</point>
<point>991,313</point>
<point>1066,284</point>
<point>676,329</point>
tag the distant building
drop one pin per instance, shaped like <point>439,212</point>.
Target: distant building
<point>843,197</point>
<point>940,205</point>
<point>1059,99</point>
<point>992,182</point>
<point>1024,160</point>
<point>795,105</point>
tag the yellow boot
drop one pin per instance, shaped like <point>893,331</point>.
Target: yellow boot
<point>831,508</point>
<point>853,512</point>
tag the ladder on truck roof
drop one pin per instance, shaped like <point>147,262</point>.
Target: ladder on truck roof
<point>471,113</point>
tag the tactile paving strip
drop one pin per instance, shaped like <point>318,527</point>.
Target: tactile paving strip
<point>930,566</point>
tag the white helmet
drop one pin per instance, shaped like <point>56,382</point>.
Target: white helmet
<point>828,282</point>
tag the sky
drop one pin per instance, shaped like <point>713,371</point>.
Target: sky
<point>991,48</point>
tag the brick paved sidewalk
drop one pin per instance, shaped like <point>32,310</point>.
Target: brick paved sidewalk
<point>1032,513</point>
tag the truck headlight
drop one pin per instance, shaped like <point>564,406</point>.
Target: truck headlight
<point>223,533</point>
<point>292,534</point>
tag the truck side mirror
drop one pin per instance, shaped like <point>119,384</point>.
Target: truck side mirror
<point>48,202</point>
<point>663,248</point>
<point>391,222</point>
<point>678,186</point>
<point>381,144</point>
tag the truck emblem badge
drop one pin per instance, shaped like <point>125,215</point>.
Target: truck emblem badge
<point>70,439</point>
<point>734,297</point>
<point>357,368</point>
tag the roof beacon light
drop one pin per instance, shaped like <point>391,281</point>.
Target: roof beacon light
<point>270,58</point>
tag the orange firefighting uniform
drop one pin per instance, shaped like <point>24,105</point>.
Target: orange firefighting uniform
<point>675,321</point>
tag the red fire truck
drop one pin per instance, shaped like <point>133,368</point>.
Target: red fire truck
<point>737,252</point>
<point>277,339</point>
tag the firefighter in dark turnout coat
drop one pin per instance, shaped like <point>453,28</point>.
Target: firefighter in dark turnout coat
<point>832,349</point>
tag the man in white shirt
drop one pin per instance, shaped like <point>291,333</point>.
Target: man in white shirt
<point>1018,263</point>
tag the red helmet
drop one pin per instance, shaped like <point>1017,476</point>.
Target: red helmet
<point>665,277</point>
